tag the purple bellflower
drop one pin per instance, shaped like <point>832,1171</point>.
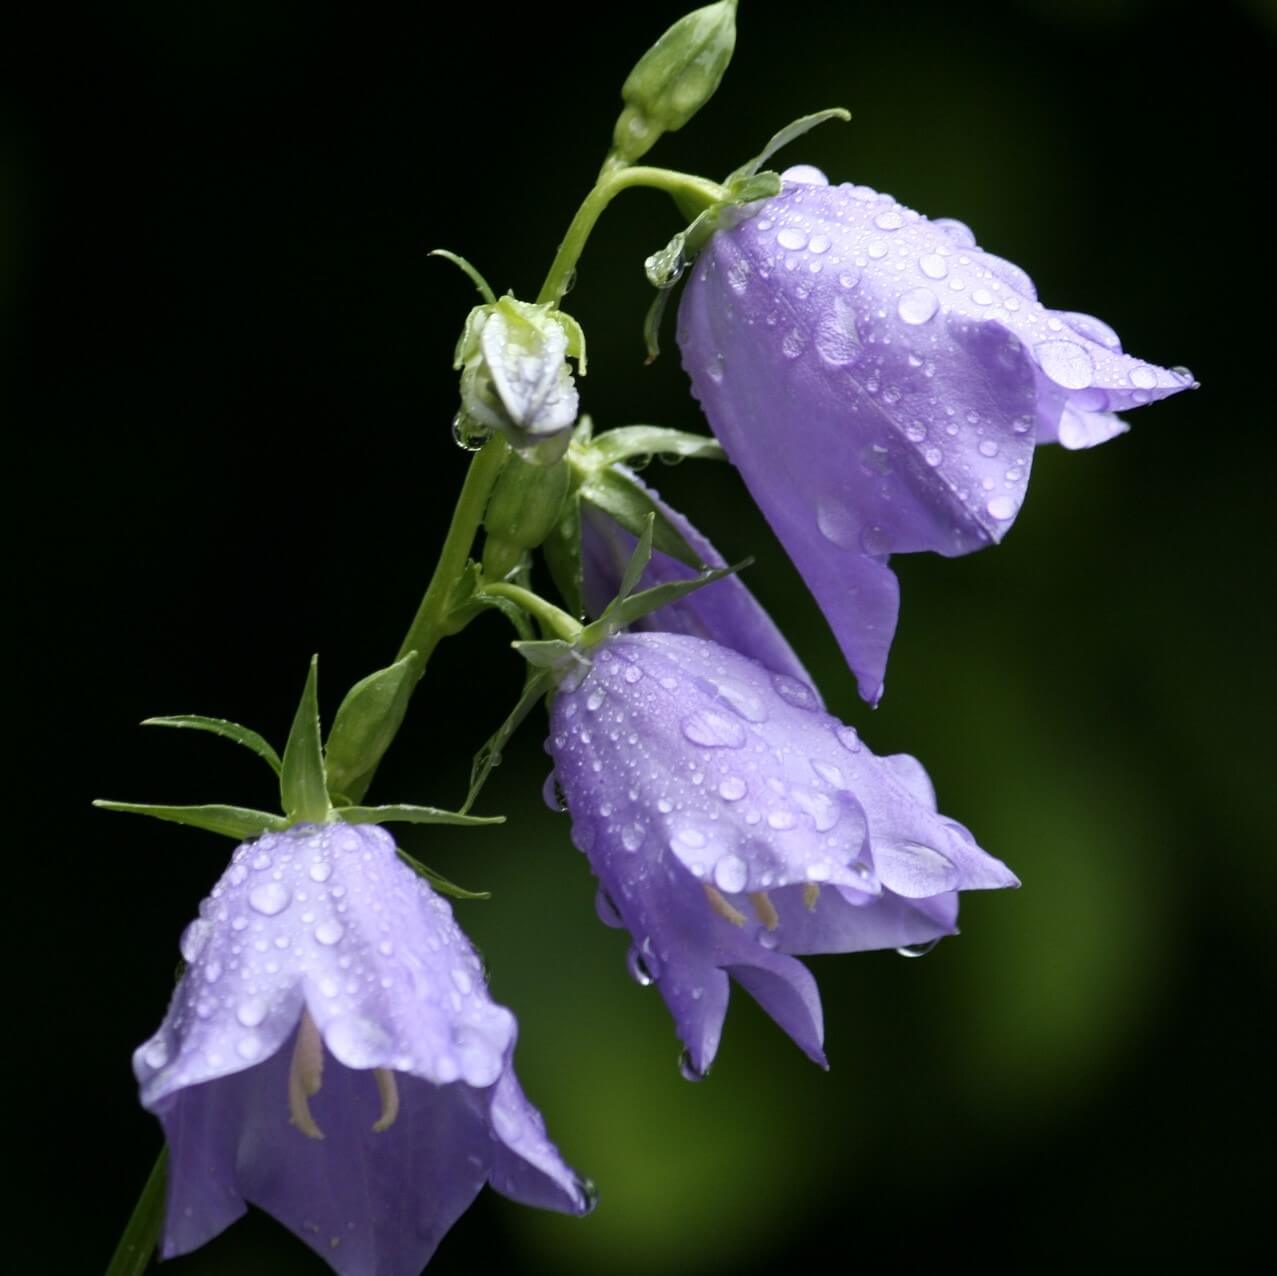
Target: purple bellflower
<point>332,1056</point>
<point>880,382</point>
<point>732,823</point>
<point>725,611</point>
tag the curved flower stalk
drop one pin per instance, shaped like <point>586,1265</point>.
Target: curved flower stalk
<point>332,1056</point>
<point>732,822</point>
<point>880,382</point>
<point>724,611</point>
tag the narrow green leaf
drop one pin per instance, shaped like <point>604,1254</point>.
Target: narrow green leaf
<point>654,440</point>
<point>402,814</point>
<point>438,881</point>
<point>543,653</point>
<point>786,135</point>
<point>562,553</point>
<point>133,1254</point>
<point>474,276</point>
<point>302,786</point>
<point>489,755</point>
<point>639,560</point>
<point>620,496</point>
<point>652,323</point>
<point>223,727</point>
<point>238,822</point>
<point>365,725</point>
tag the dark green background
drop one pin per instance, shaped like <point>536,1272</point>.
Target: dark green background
<point>232,364</point>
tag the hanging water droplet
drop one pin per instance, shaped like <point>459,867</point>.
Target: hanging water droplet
<point>688,1070</point>
<point>552,793</point>
<point>638,968</point>
<point>875,540</point>
<point>917,950</point>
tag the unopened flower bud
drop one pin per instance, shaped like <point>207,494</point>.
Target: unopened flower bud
<point>674,78</point>
<point>522,511</point>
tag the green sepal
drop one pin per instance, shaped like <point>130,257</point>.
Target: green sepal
<point>303,789</point>
<point>438,881</point>
<point>623,612</point>
<point>485,290</point>
<point>365,725</point>
<point>238,822</point>
<point>652,324</point>
<point>630,441</point>
<point>223,727</point>
<point>783,138</point>
<point>543,653</point>
<point>562,553</point>
<point>622,498</point>
<point>637,565</point>
<point>489,756</point>
<point>404,814</point>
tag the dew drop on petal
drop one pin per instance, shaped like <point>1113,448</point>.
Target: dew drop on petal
<point>251,1012</point>
<point>849,738</point>
<point>731,874</point>
<point>732,788</point>
<point>269,898</point>
<point>329,932</point>
<point>1002,508</point>
<point>1066,363</point>
<point>933,266</point>
<point>1144,377</point>
<point>320,871</point>
<point>791,238</point>
<point>714,730</point>
<point>917,305</point>
<point>836,523</point>
<point>794,692</point>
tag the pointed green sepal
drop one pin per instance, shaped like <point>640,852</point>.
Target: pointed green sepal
<point>543,653</point>
<point>403,814</point>
<point>623,612</point>
<point>438,881</point>
<point>783,138</point>
<point>365,725</point>
<point>639,560</point>
<point>624,499</point>
<point>238,822</point>
<point>489,756</point>
<point>223,727</point>
<point>485,291</point>
<point>631,441</point>
<point>303,788</point>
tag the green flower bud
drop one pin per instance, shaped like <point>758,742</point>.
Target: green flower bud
<point>515,376</point>
<point>522,511</point>
<point>674,79</point>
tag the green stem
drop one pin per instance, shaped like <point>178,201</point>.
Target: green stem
<point>554,618</point>
<point>696,191</point>
<point>133,1254</point>
<point>428,625</point>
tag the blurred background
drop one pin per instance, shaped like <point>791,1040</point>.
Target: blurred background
<point>231,358</point>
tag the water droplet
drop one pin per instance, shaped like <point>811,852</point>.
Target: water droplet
<point>793,343</point>
<point>836,522</point>
<point>781,820</point>
<point>690,836</point>
<point>732,789</point>
<point>1002,507</point>
<point>741,700</point>
<point>875,540</point>
<point>251,1012</point>
<point>714,730</point>
<point>249,1047</point>
<point>688,1070</point>
<point>849,279</point>
<point>958,232</point>
<point>632,674</point>
<point>320,871</point>
<point>933,456</point>
<point>918,950</point>
<point>632,836</point>
<point>1144,377</point>
<point>987,448</point>
<point>329,932</point>
<point>731,874</point>
<point>794,692</point>
<point>156,1054</point>
<point>269,898</point>
<point>849,738</point>
<point>638,968</point>
<point>792,238</point>
<point>194,937</point>
<point>819,244</point>
<point>917,305</point>
<point>552,793</point>
<point>933,266</point>
<point>877,250</point>
<point>261,860</point>
<point>594,699</point>
<point>1066,363</point>
<point>829,773</point>
<point>889,220</point>
<point>461,978</point>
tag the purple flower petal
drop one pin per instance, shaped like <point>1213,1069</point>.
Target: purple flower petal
<point>881,383</point>
<point>725,612</point>
<point>732,822</point>
<point>321,966</point>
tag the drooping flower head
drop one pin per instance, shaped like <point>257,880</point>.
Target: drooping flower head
<point>880,382</point>
<point>332,1055</point>
<point>731,823</point>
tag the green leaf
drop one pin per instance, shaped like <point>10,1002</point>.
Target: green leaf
<point>637,565</point>
<point>402,814</point>
<point>132,1255</point>
<point>489,755</point>
<point>621,496</point>
<point>562,553</point>
<point>223,727</point>
<point>365,725</point>
<point>654,440</point>
<point>238,822</point>
<point>302,786</point>
<point>625,611</point>
<point>438,881</point>
<point>786,135</point>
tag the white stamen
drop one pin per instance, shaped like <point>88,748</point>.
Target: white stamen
<point>720,905</point>
<point>305,1076</point>
<point>389,1093</point>
<point>764,909</point>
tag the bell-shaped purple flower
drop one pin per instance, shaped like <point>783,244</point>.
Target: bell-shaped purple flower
<point>724,611</point>
<point>332,1056</point>
<point>880,383</point>
<point>731,823</point>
